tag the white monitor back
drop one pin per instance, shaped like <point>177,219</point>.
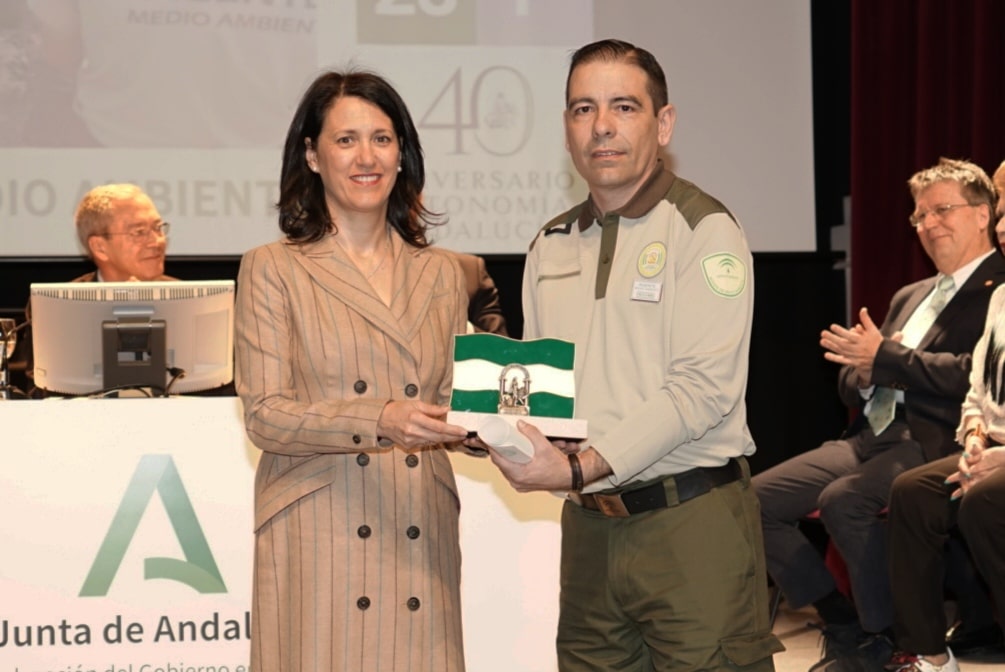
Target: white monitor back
<point>67,322</point>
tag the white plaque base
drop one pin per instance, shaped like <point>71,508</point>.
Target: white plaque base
<point>571,429</point>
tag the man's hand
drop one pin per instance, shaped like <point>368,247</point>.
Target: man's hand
<point>855,347</point>
<point>549,468</point>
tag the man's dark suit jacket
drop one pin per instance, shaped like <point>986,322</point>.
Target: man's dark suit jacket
<point>934,376</point>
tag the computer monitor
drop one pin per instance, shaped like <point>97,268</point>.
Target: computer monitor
<point>91,337</point>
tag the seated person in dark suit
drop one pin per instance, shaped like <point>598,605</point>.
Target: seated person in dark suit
<point>909,378</point>
<point>964,491</point>
<point>484,311</point>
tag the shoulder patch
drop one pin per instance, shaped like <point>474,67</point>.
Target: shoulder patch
<point>693,203</point>
<point>725,274</point>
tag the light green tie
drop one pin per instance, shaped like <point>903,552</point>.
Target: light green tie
<point>883,405</point>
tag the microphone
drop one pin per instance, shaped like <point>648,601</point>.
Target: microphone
<point>5,334</point>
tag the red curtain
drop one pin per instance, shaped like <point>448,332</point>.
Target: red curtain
<point>927,80</point>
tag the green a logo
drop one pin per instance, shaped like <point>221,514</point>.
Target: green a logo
<point>198,570</point>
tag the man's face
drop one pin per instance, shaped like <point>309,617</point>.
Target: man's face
<point>611,130</point>
<point>957,236</point>
<point>130,248</point>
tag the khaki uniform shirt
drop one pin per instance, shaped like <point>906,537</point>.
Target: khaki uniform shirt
<point>658,298</point>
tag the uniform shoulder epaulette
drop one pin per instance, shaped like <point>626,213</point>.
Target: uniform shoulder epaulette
<point>561,224</point>
<point>693,203</point>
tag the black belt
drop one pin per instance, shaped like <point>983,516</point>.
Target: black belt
<point>687,485</point>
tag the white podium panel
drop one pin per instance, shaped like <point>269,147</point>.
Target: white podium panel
<point>127,542</point>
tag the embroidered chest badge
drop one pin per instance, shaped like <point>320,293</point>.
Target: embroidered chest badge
<point>725,274</point>
<point>652,260</point>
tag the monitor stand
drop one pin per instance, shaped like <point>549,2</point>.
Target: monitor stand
<point>134,354</point>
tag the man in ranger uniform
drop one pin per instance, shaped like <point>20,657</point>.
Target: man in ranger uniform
<point>662,562</point>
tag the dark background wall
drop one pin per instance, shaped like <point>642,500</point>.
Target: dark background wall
<point>791,399</point>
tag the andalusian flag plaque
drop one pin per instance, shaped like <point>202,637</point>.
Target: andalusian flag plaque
<point>495,376</point>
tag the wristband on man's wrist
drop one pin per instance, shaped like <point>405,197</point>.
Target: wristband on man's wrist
<point>577,472</point>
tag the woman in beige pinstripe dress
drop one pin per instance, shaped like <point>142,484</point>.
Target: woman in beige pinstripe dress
<point>343,354</point>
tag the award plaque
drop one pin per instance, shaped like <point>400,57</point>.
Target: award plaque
<point>498,377</point>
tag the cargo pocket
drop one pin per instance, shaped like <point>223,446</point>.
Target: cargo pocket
<point>746,650</point>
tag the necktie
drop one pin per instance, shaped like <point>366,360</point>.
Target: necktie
<point>883,404</point>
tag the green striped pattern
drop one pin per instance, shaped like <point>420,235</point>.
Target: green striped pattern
<point>480,358</point>
<point>500,350</point>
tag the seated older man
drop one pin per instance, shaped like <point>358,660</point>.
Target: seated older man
<point>121,231</point>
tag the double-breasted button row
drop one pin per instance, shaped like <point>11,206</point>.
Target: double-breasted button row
<point>361,387</point>
<point>363,459</point>
<point>365,531</point>
<point>413,603</point>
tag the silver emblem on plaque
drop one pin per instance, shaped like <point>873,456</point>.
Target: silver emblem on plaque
<point>514,390</point>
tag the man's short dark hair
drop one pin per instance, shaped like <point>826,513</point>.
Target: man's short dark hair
<point>619,50</point>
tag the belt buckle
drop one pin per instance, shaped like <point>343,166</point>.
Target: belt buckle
<point>611,505</point>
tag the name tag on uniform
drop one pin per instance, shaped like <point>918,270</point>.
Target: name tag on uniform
<point>647,290</point>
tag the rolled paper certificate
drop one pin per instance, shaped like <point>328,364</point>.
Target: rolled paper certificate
<point>506,439</point>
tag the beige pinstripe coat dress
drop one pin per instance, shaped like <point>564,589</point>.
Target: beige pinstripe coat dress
<point>357,559</point>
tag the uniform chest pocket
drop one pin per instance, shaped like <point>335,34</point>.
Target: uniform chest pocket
<point>558,270</point>
<point>563,294</point>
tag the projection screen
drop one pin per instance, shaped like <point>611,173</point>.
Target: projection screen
<point>191,100</point>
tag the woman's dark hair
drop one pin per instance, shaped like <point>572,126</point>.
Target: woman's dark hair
<point>303,212</point>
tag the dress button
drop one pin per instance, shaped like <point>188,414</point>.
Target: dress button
<point>359,386</point>
<point>363,531</point>
<point>363,603</point>
<point>413,604</point>
<point>412,532</point>
<point>356,438</point>
<point>362,459</point>
<point>412,460</point>
<point>411,390</point>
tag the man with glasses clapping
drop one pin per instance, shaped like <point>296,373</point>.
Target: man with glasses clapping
<point>908,377</point>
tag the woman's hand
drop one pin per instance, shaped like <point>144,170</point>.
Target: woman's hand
<point>413,424</point>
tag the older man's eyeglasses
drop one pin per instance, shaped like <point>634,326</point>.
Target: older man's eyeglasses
<point>143,234</point>
<point>917,220</point>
